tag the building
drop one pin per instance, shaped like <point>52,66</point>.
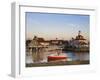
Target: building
<point>36,49</point>
<point>79,41</point>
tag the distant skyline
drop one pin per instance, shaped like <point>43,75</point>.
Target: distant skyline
<point>54,25</point>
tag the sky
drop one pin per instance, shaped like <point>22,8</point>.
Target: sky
<point>56,25</point>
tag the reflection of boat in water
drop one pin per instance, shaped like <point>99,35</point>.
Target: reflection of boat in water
<point>57,58</point>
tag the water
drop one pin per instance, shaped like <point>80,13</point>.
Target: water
<point>72,56</point>
<point>78,55</point>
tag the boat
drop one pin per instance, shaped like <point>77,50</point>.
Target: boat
<point>56,58</point>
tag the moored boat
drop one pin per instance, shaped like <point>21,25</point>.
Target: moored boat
<point>55,58</point>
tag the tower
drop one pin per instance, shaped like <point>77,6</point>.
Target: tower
<point>79,32</point>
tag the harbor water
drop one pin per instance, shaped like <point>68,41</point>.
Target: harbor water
<point>72,56</point>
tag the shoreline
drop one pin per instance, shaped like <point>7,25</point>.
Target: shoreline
<point>61,63</point>
<point>76,50</point>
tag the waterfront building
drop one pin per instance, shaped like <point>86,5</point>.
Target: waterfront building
<point>36,49</point>
<point>79,41</point>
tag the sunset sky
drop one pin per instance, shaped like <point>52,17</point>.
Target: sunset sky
<point>52,26</point>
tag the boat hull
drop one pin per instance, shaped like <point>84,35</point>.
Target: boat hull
<point>55,58</point>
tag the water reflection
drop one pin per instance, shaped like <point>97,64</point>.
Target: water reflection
<point>78,55</point>
<point>33,57</point>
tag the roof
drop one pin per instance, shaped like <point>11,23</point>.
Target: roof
<point>80,37</point>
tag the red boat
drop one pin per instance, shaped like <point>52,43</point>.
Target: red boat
<point>54,58</point>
